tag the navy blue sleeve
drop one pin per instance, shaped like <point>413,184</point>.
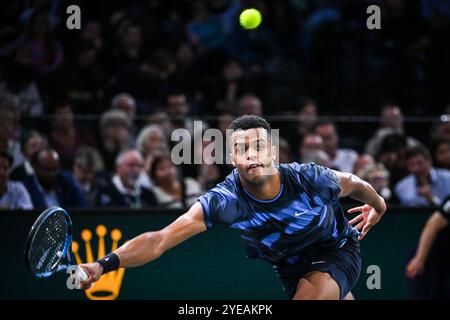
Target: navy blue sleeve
<point>319,179</point>
<point>219,206</point>
<point>445,208</point>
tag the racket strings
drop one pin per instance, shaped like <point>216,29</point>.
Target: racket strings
<point>48,244</point>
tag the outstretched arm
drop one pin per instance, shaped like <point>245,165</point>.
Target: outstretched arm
<point>151,245</point>
<point>433,226</point>
<point>360,190</point>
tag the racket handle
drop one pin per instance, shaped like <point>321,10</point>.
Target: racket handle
<point>81,275</point>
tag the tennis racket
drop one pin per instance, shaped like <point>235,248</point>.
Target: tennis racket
<point>48,246</point>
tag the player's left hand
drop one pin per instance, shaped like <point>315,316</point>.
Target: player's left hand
<point>366,220</point>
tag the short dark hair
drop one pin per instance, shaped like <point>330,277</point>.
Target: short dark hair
<point>417,150</point>
<point>325,122</point>
<point>7,156</point>
<point>305,101</point>
<point>250,121</point>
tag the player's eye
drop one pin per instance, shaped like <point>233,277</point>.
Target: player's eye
<point>240,148</point>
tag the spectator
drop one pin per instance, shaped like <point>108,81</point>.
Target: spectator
<point>378,177</point>
<point>64,137</point>
<point>310,142</point>
<point>171,190</point>
<point>209,173</point>
<point>123,190</point>
<point>161,118</point>
<point>178,109</point>
<point>425,185</point>
<point>19,81</point>
<point>319,157</point>
<point>87,170</point>
<point>306,115</point>
<point>250,104</point>
<point>391,122</point>
<point>32,142</point>
<point>150,138</point>
<point>126,103</point>
<point>441,129</point>
<point>341,159</point>
<point>13,195</point>
<point>392,156</point>
<point>284,151</point>
<point>440,153</point>
<point>363,161</point>
<point>83,78</point>
<point>44,50</point>
<point>9,119</point>
<point>115,135</point>
<point>50,186</point>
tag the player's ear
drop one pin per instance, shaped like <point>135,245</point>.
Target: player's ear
<point>233,160</point>
<point>274,152</point>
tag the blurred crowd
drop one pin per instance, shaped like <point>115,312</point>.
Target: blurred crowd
<point>86,116</point>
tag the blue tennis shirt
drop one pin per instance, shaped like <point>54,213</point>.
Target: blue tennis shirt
<point>304,219</point>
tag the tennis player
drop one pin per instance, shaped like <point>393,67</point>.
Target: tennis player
<point>288,215</point>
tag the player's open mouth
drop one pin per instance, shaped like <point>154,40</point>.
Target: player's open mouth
<point>253,166</point>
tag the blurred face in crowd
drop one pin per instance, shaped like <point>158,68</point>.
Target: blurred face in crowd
<point>444,130</point>
<point>83,175</point>
<point>162,119</point>
<point>392,117</point>
<point>32,145</point>
<point>250,105</point>
<point>129,168</point>
<point>155,140</point>
<point>47,168</point>
<point>165,171</point>
<point>224,122</point>
<point>4,171</point>
<point>442,155</point>
<point>253,154</point>
<point>87,57</point>
<point>329,137</point>
<point>92,32</point>
<point>378,179</point>
<point>311,142</point>
<point>128,107</point>
<point>308,115</point>
<point>7,120</point>
<point>63,117</point>
<point>177,105</point>
<point>284,154</point>
<point>115,137</point>
<point>132,37</point>
<point>362,161</point>
<point>419,166</point>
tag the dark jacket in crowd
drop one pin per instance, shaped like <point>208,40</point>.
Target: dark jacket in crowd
<point>67,190</point>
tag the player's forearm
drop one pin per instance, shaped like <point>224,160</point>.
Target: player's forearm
<point>429,234</point>
<point>362,191</point>
<point>140,250</point>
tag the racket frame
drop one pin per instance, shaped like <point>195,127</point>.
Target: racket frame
<point>66,251</point>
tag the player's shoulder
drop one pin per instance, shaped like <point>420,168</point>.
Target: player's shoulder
<point>305,169</point>
<point>228,188</point>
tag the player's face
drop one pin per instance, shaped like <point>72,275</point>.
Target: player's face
<point>253,155</point>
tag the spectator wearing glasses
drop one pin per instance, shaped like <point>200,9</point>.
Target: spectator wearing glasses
<point>123,190</point>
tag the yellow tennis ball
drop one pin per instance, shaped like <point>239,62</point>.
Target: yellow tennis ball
<point>250,18</point>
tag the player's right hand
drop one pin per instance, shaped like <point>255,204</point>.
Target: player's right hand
<point>93,271</point>
<point>414,267</point>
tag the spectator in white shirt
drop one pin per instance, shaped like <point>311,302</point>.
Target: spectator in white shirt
<point>341,159</point>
